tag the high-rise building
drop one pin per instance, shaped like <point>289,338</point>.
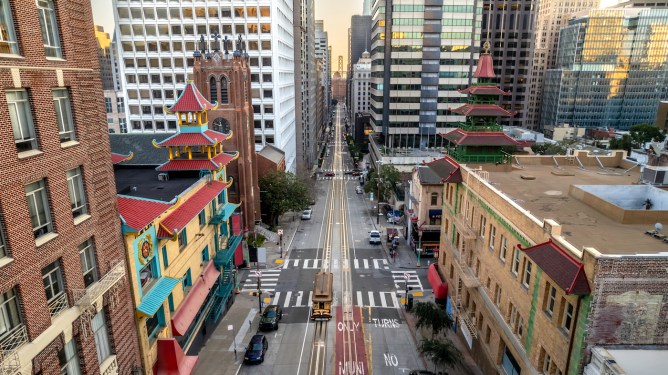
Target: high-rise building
<point>550,16</point>
<point>224,77</point>
<point>416,71</point>
<point>366,7</point>
<point>359,40</point>
<point>65,304</point>
<point>113,98</point>
<point>304,21</point>
<point>104,55</point>
<point>360,80</point>
<point>611,70</point>
<point>156,42</point>
<point>322,54</point>
<point>509,28</point>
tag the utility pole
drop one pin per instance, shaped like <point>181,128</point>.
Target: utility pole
<point>258,274</point>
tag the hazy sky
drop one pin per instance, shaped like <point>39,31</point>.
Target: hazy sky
<point>335,13</point>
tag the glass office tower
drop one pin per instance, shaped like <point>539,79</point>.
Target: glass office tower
<point>612,70</point>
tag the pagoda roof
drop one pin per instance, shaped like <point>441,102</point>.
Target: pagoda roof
<point>206,138</point>
<point>485,68</point>
<point>191,207</point>
<point>137,213</point>
<point>484,90</point>
<point>213,164</point>
<point>464,138</point>
<point>566,272</point>
<point>191,100</point>
<point>439,171</point>
<point>119,158</point>
<point>482,110</point>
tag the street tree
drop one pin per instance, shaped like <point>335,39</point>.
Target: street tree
<point>643,133</point>
<point>283,192</point>
<point>441,353</point>
<point>430,315</point>
<point>383,180</point>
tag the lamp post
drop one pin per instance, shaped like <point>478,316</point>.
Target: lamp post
<point>419,249</point>
<point>380,164</point>
<point>258,274</point>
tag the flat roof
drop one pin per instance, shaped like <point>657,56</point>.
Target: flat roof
<point>547,197</point>
<point>144,183</point>
<point>640,362</point>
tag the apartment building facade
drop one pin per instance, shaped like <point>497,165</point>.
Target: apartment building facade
<point>65,305</point>
<point>156,42</point>
<point>360,80</point>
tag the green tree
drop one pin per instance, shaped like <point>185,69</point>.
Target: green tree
<point>383,181</point>
<point>442,353</point>
<point>428,314</point>
<point>643,133</point>
<point>623,143</point>
<point>283,192</point>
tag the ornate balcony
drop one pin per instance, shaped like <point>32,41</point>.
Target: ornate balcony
<point>58,304</point>
<point>10,363</point>
<point>87,297</point>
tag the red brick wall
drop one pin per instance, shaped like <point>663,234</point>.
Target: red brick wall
<point>81,77</point>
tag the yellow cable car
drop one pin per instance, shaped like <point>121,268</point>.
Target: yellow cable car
<point>322,296</point>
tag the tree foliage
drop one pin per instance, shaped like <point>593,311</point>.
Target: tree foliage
<point>637,137</point>
<point>442,353</point>
<point>428,314</point>
<point>383,181</point>
<point>283,192</point>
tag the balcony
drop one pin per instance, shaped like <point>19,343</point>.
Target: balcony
<point>227,247</point>
<point>58,304</point>
<point>86,297</point>
<point>10,363</point>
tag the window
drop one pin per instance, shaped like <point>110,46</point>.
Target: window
<point>492,236</point>
<point>213,94</point>
<point>504,249</point>
<point>102,344</point>
<point>120,105</point>
<point>567,319</point>
<point>527,274</point>
<point>69,359</point>
<point>165,258</point>
<point>87,256</point>
<point>155,323</point>
<point>497,295</point>
<point>187,280</point>
<point>205,254</point>
<point>550,299</point>
<point>10,318</point>
<point>61,101</point>
<point>76,189</point>
<point>434,199</point>
<point>21,118</point>
<point>107,105</point>
<point>38,204</point>
<point>8,43</point>
<point>183,238</point>
<point>224,96</point>
<point>202,218</point>
<point>3,243</point>
<point>516,261</point>
<point>147,275</point>
<point>53,283</point>
<point>170,302</point>
<point>547,361</point>
<point>483,223</point>
<point>49,25</point>
<point>122,123</point>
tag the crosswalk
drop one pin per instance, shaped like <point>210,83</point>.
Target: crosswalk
<point>364,299</point>
<point>339,176</point>
<point>358,264</point>
<point>413,281</point>
<point>268,281</point>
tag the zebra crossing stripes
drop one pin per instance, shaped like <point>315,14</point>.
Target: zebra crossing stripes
<point>268,281</point>
<point>358,264</point>
<point>400,281</point>
<point>385,299</point>
<point>364,299</point>
<point>290,300</point>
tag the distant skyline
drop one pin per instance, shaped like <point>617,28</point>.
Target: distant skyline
<point>335,14</point>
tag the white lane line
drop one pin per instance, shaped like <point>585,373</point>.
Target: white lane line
<point>288,295</point>
<point>300,295</point>
<point>359,299</point>
<point>383,303</point>
<point>356,263</point>
<point>277,295</point>
<point>372,303</point>
<point>366,264</point>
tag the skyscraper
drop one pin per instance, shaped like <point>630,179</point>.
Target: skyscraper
<point>416,71</point>
<point>322,54</point>
<point>360,84</point>
<point>156,42</point>
<point>611,70</point>
<point>359,40</point>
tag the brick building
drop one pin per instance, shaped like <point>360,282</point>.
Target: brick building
<point>551,258</point>
<point>64,301</point>
<point>224,77</point>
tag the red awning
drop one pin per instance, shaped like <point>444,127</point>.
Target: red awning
<point>238,255</point>
<point>439,286</point>
<point>186,313</point>
<point>172,360</point>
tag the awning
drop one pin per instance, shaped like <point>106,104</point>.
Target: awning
<point>228,210</point>
<point>435,214</point>
<point>172,360</point>
<point>238,254</point>
<point>156,296</point>
<point>439,286</point>
<point>186,313</point>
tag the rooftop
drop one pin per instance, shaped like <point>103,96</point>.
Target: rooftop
<point>144,183</point>
<point>547,197</point>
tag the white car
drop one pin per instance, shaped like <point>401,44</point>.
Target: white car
<point>374,237</point>
<point>359,190</point>
<point>306,214</point>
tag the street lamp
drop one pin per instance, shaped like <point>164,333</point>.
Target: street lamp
<point>419,249</point>
<point>380,164</point>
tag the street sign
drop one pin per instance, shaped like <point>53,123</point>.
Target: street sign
<point>258,273</point>
<point>230,327</point>
<point>407,276</point>
<point>280,232</point>
<point>371,196</point>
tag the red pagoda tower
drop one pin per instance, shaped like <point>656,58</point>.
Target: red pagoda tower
<point>480,139</point>
<point>195,147</point>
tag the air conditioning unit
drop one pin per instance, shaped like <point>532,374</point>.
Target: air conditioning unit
<point>163,177</point>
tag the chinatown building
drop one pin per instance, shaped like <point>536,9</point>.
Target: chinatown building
<point>225,78</point>
<point>182,236</point>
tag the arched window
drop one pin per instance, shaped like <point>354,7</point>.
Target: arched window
<point>434,199</point>
<point>224,97</point>
<point>221,125</point>
<point>214,90</point>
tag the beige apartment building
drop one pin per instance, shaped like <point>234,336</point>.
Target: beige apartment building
<point>551,257</point>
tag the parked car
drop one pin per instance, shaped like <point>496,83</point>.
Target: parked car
<point>306,214</point>
<point>256,349</point>
<point>356,173</point>
<point>374,237</point>
<point>270,317</point>
<point>330,174</point>
<point>359,190</point>
<point>394,219</point>
<point>421,372</point>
